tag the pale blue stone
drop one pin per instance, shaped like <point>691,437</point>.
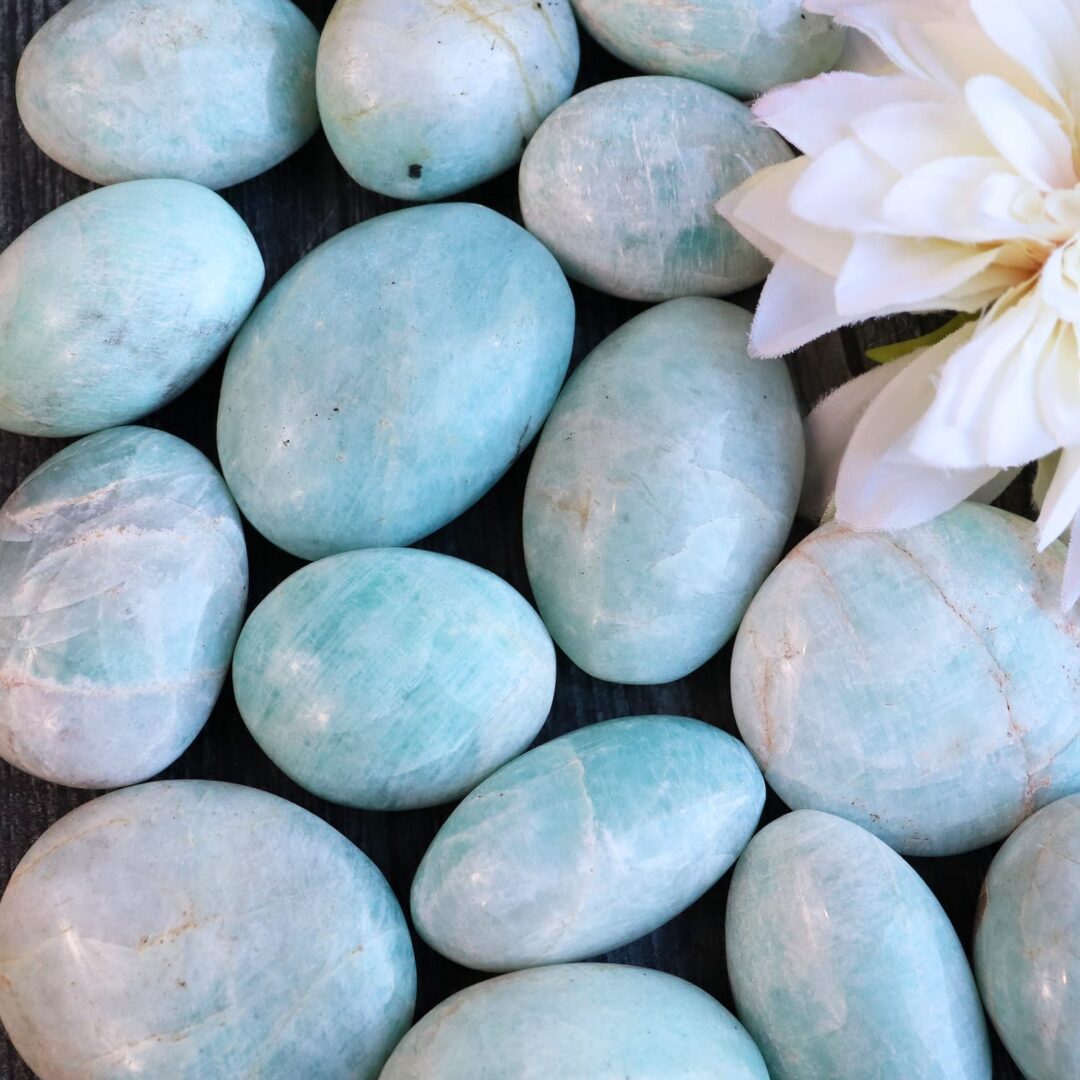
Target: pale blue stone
<point>391,377</point>
<point>924,685</point>
<point>392,679</point>
<point>115,303</point>
<point>842,962</point>
<point>421,99</point>
<point>586,843</point>
<point>621,183</point>
<point>580,1021</point>
<point>123,578</point>
<point>214,91</point>
<point>662,492</point>
<point>201,931</point>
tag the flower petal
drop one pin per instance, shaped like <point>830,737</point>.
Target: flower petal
<point>796,307</point>
<point>914,133</point>
<point>844,188</point>
<point>1058,385</point>
<point>1061,504</point>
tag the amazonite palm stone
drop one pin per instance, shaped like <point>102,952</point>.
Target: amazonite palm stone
<point>213,91</point>
<point>621,183</point>
<point>123,579</point>
<point>586,843</point>
<point>925,685</point>
<point>201,931</point>
<point>578,1022</point>
<point>842,962</point>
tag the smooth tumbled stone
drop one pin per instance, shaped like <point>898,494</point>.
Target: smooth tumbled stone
<point>621,183</point>
<point>201,930</point>
<point>391,377</point>
<point>595,1021</point>
<point>842,962</point>
<point>924,685</point>
<point>421,99</point>
<point>213,91</point>
<point>123,578</point>
<point>115,303</point>
<point>662,492</point>
<point>392,679</point>
<point>586,843</point>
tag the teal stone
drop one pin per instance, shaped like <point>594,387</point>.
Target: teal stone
<point>392,679</point>
<point>742,46</point>
<point>622,181</point>
<point>194,930</point>
<point>421,99</point>
<point>662,492</point>
<point>123,579</point>
<point>587,843</point>
<point>117,302</point>
<point>391,377</point>
<point>213,91</point>
<point>925,685</point>
<point>581,1022</point>
<point>842,962</point>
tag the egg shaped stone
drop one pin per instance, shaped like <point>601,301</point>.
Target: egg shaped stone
<point>842,962</point>
<point>600,1021</point>
<point>744,48</point>
<point>116,302</point>
<point>194,929</point>
<point>586,843</point>
<point>392,679</point>
<point>925,685</point>
<point>123,579</point>
<point>213,91</point>
<point>391,377</point>
<point>662,492</point>
<point>421,99</point>
<point>621,183</point>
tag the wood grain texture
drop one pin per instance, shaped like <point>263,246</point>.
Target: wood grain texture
<point>290,210</point>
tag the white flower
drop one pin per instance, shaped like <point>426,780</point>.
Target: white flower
<point>949,183</point>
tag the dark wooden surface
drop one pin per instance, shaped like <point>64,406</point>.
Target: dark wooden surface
<point>290,210</point>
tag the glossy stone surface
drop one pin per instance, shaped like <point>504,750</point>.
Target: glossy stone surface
<point>123,578</point>
<point>662,492</point>
<point>116,302</point>
<point>391,377</point>
<point>197,931</point>
<point>742,46</point>
<point>842,962</point>
<point>213,91</point>
<point>391,679</point>
<point>421,99</point>
<point>595,1021</point>
<point>924,685</point>
<point>621,183</point>
<point>586,843</point>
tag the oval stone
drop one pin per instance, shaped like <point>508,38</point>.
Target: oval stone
<point>662,492</point>
<point>578,1020</point>
<point>925,685</point>
<point>123,579</point>
<point>421,99</point>
<point>213,91</point>
<point>621,183</point>
<point>116,302</point>
<point>587,843</point>
<point>391,377</point>
<point>196,929</point>
<point>840,956</point>
<point>392,679</point>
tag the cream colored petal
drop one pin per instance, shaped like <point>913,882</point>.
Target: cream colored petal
<point>796,307</point>
<point>1057,386</point>
<point>844,188</point>
<point>911,134</point>
<point>1061,503</point>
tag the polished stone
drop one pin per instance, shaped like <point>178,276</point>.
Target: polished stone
<point>842,962</point>
<point>925,685</point>
<point>662,492</point>
<point>586,843</point>
<point>116,302</point>
<point>201,931</point>
<point>391,377</point>
<point>123,578</point>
